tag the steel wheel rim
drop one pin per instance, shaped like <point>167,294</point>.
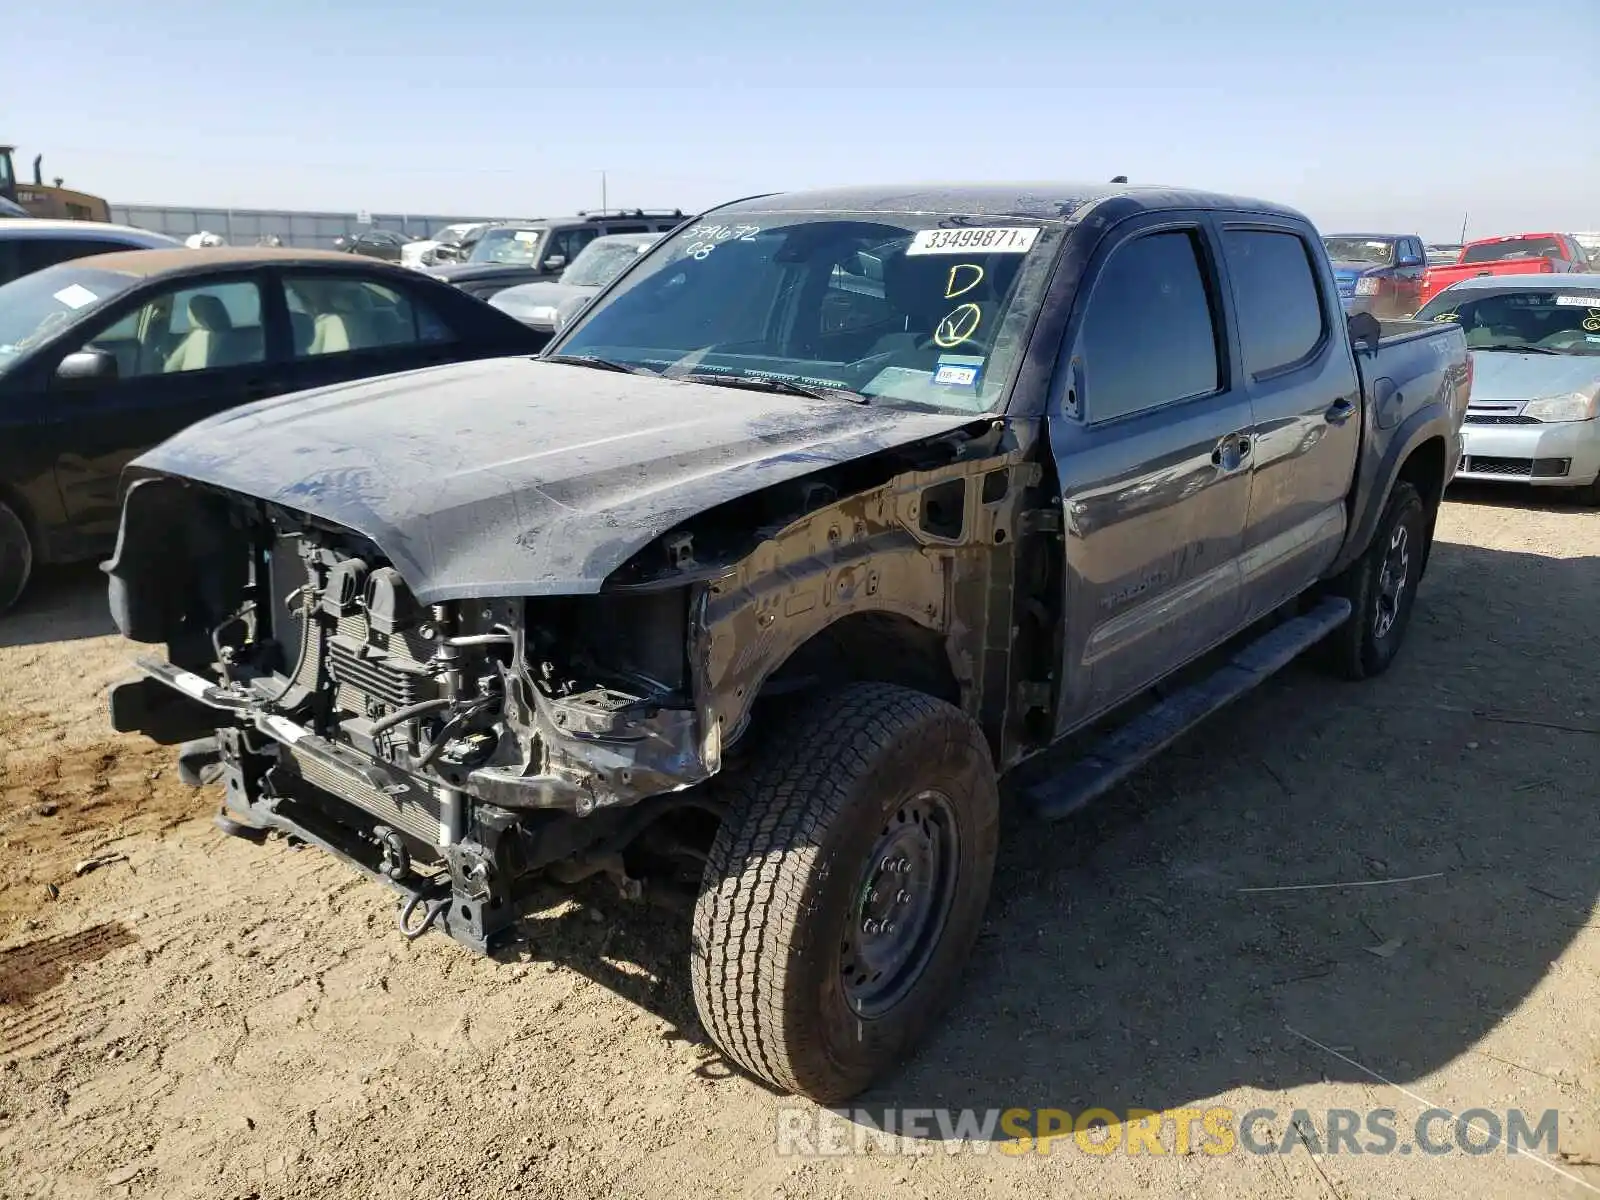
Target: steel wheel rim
<point>900,904</point>
<point>1392,582</point>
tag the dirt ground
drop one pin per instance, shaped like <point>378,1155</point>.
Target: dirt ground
<point>187,1015</point>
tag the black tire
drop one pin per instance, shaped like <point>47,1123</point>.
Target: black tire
<point>16,556</point>
<point>1589,493</point>
<point>794,868</point>
<point>1381,603</point>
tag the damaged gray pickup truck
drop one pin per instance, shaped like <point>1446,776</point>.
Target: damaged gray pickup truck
<point>829,511</point>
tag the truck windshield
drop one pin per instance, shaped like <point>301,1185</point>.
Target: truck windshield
<point>916,309</point>
<point>1516,248</point>
<point>1363,250</point>
<point>517,246</point>
<point>36,307</point>
<point>600,262</point>
<point>1549,321</point>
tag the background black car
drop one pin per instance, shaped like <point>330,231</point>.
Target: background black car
<point>104,357</point>
<point>512,252</point>
<point>375,243</point>
<point>28,245</point>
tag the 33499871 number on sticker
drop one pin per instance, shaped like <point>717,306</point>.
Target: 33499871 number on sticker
<point>1016,239</point>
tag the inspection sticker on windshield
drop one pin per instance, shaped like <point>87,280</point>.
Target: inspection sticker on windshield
<point>76,296</point>
<point>526,235</point>
<point>958,370</point>
<point>993,240</point>
<point>1579,301</point>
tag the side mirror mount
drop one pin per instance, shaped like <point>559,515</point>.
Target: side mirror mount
<point>1365,331</point>
<point>84,369</point>
<point>555,262</point>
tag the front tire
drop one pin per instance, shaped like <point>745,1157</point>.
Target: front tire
<point>1381,586</point>
<point>845,888</point>
<point>16,556</point>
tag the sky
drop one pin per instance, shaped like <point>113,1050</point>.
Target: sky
<point>1396,116</point>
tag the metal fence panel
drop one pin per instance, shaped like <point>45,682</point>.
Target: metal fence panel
<point>247,226</point>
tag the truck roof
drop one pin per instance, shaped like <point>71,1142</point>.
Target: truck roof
<point>1374,237</point>
<point>1039,201</point>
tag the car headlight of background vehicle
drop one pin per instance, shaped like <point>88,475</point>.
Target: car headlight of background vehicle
<point>1574,406</point>
<point>1367,285</point>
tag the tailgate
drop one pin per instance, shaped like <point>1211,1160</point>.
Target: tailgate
<point>1436,279</point>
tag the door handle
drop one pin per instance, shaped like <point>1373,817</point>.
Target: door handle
<point>1340,411</point>
<point>1231,451</point>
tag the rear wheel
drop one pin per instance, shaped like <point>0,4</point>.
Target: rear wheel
<point>845,888</point>
<point>1381,586</point>
<point>16,556</point>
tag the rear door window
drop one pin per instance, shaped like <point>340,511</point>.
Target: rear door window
<point>1515,248</point>
<point>342,315</point>
<point>568,242</point>
<point>1275,292</point>
<point>1149,336</point>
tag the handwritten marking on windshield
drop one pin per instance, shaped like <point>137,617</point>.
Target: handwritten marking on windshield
<point>954,287</point>
<point>958,326</point>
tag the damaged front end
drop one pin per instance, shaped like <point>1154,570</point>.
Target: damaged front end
<point>447,749</point>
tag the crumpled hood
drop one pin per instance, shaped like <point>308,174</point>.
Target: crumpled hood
<point>516,476</point>
<point>1506,375</point>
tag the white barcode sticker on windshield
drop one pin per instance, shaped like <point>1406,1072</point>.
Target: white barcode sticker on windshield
<point>996,240</point>
<point>525,235</point>
<point>1579,301</point>
<point>76,296</point>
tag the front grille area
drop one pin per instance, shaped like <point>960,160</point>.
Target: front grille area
<point>1498,419</point>
<point>416,814</point>
<point>1515,468</point>
<point>1483,464</point>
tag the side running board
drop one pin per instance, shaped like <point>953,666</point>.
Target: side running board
<point>1123,751</point>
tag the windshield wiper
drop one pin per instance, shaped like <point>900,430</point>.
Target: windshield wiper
<point>600,364</point>
<point>1521,349</point>
<point>785,387</point>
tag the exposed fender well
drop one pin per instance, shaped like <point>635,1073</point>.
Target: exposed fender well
<point>755,623</point>
<point>910,581</point>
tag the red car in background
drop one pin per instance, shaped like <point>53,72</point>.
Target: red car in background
<point>1518,254</point>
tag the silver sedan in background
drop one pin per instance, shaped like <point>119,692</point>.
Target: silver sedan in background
<point>1535,346</point>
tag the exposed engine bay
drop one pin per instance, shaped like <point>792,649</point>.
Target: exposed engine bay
<point>459,738</point>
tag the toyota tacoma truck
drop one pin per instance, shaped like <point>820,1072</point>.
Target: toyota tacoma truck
<point>825,514</point>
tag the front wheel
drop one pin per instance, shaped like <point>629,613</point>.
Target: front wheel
<point>1381,586</point>
<point>845,888</point>
<point>16,556</point>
